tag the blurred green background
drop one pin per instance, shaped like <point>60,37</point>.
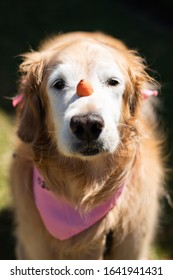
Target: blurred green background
<point>142,25</point>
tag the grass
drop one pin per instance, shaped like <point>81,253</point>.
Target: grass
<point>7,140</point>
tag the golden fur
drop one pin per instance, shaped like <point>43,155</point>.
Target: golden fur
<point>137,161</point>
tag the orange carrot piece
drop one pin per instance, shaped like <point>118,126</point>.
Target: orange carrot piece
<point>84,88</point>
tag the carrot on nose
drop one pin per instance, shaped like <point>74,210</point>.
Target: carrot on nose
<point>84,88</point>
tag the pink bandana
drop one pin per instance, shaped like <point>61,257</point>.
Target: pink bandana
<point>60,218</point>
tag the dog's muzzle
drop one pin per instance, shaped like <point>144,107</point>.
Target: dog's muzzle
<point>87,129</point>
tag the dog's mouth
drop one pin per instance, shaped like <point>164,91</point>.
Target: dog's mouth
<point>91,149</point>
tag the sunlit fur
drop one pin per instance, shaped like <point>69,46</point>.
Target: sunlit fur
<point>136,160</point>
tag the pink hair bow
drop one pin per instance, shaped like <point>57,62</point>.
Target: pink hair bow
<point>148,92</point>
<point>17,99</point>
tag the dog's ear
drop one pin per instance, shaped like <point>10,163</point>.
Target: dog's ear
<point>137,80</point>
<point>31,108</point>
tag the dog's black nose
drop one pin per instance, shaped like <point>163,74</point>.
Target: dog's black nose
<point>87,127</point>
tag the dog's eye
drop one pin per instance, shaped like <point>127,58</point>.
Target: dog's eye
<point>59,84</point>
<point>112,82</point>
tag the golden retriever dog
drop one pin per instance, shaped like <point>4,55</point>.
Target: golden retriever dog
<point>87,174</point>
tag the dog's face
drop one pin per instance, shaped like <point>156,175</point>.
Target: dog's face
<point>85,124</point>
